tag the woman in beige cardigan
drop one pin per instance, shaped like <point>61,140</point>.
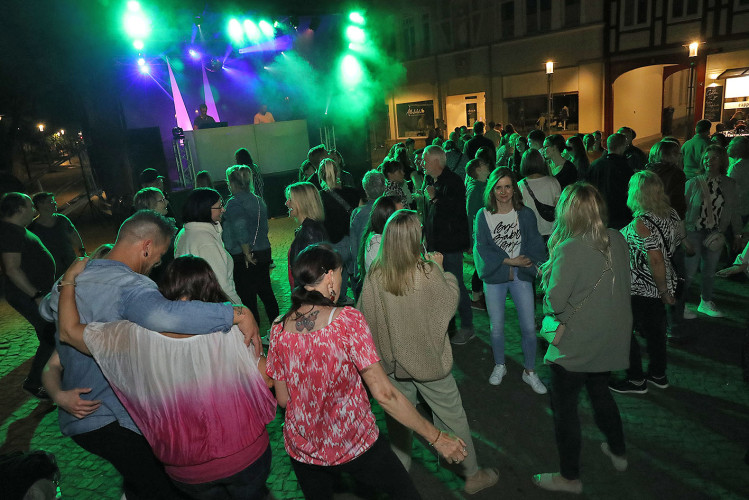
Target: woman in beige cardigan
<point>408,301</point>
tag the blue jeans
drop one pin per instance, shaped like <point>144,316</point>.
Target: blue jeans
<point>522,295</point>
<point>453,263</point>
<point>709,260</point>
<point>246,484</point>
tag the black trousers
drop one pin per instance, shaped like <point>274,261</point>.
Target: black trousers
<point>129,453</point>
<point>649,317</point>
<point>253,282</point>
<point>45,332</point>
<point>377,468</point>
<point>565,393</point>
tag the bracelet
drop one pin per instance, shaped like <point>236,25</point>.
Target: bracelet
<point>64,283</point>
<point>439,435</point>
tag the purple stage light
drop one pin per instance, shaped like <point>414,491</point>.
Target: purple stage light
<point>284,42</point>
<point>194,54</point>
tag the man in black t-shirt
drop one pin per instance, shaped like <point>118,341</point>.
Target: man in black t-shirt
<point>29,270</point>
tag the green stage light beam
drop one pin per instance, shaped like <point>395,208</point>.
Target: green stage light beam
<point>235,31</point>
<point>356,18</point>
<point>133,6</point>
<point>351,71</point>
<point>266,28</point>
<point>252,31</point>
<point>355,34</point>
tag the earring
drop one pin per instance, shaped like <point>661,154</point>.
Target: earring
<point>146,255</point>
<point>331,292</point>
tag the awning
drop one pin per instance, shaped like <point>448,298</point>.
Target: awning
<point>733,73</point>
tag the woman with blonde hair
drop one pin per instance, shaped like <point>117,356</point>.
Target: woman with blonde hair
<point>588,324</point>
<point>507,252</point>
<point>653,237</point>
<point>150,198</point>
<point>246,239</point>
<point>339,201</point>
<point>304,204</point>
<point>408,301</point>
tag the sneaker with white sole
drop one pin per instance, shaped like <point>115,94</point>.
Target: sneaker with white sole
<point>498,373</point>
<point>532,380</point>
<point>689,314</point>
<point>708,307</point>
<point>618,461</point>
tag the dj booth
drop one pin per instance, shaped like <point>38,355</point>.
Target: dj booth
<point>276,147</point>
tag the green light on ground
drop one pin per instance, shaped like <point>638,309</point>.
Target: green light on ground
<point>235,31</point>
<point>355,34</point>
<point>252,31</point>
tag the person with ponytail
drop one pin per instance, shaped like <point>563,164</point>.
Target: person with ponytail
<point>318,356</point>
<point>339,201</point>
<point>245,237</point>
<point>588,324</point>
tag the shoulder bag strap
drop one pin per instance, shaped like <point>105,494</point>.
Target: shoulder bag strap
<point>580,305</point>
<point>530,191</point>
<point>340,200</point>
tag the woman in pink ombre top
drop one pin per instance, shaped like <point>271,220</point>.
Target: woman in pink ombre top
<point>201,401</point>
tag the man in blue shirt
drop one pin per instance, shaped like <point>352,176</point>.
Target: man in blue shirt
<point>111,289</point>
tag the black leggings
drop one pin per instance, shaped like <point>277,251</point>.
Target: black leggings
<point>253,282</point>
<point>377,468</point>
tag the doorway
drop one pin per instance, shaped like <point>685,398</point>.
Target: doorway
<point>465,109</point>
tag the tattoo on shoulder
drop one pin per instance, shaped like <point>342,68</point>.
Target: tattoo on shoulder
<point>239,310</point>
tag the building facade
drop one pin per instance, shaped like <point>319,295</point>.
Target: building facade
<point>616,63</point>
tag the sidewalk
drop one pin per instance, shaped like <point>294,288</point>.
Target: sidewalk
<point>687,441</point>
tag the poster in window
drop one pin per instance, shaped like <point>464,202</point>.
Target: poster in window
<point>415,119</point>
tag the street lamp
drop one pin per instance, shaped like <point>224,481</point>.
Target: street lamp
<point>41,127</point>
<point>549,78</point>
<point>691,94</point>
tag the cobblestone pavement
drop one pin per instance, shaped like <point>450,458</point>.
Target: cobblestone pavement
<point>687,441</point>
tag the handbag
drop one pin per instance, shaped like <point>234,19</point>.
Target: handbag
<point>552,329</point>
<point>545,211</point>
<point>715,240</point>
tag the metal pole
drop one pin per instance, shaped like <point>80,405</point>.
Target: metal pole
<point>548,111</point>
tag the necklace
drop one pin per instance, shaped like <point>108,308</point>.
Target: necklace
<point>306,321</point>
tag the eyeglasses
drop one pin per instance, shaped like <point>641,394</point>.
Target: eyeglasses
<point>163,200</point>
<point>220,207</point>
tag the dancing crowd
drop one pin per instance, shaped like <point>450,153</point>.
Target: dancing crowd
<point>168,377</point>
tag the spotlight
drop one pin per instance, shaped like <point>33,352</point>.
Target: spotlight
<point>138,44</point>
<point>356,18</point>
<point>41,127</point>
<point>141,61</point>
<point>355,34</point>
<point>137,25</point>
<point>133,6</point>
<point>194,54</point>
<point>266,28</point>
<point>351,71</point>
<point>251,30</point>
<point>235,31</point>
<point>178,133</point>
<point>215,64</point>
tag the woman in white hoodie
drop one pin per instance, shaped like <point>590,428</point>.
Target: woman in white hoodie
<point>201,236</point>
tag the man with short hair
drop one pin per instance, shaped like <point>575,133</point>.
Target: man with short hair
<point>111,289</point>
<point>29,271</point>
<point>536,139</point>
<point>611,174</point>
<point>493,134</point>
<point>446,229</point>
<point>150,177</point>
<point>694,148</point>
<point>635,156</point>
<point>57,232</point>
<point>373,184</point>
<point>202,118</point>
<point>478,141</point>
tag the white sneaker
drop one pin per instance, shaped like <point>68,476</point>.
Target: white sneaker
<point>708,307</point>
<point>532,380</point>
<point>688,313</point>
<point>498,373</point>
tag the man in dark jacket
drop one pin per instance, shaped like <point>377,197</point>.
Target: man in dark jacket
<point>611,174</point>
<point>446,229</point>
<point>477,142</point>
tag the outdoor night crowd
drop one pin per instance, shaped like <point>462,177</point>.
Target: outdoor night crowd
<point>151,350</point>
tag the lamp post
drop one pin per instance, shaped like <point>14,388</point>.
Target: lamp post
<point>549,78</point>
<point>691,94</point>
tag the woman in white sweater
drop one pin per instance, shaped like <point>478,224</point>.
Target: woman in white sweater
<point>201,236</point>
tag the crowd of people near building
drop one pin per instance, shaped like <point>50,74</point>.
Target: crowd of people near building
<point>166,376</point>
